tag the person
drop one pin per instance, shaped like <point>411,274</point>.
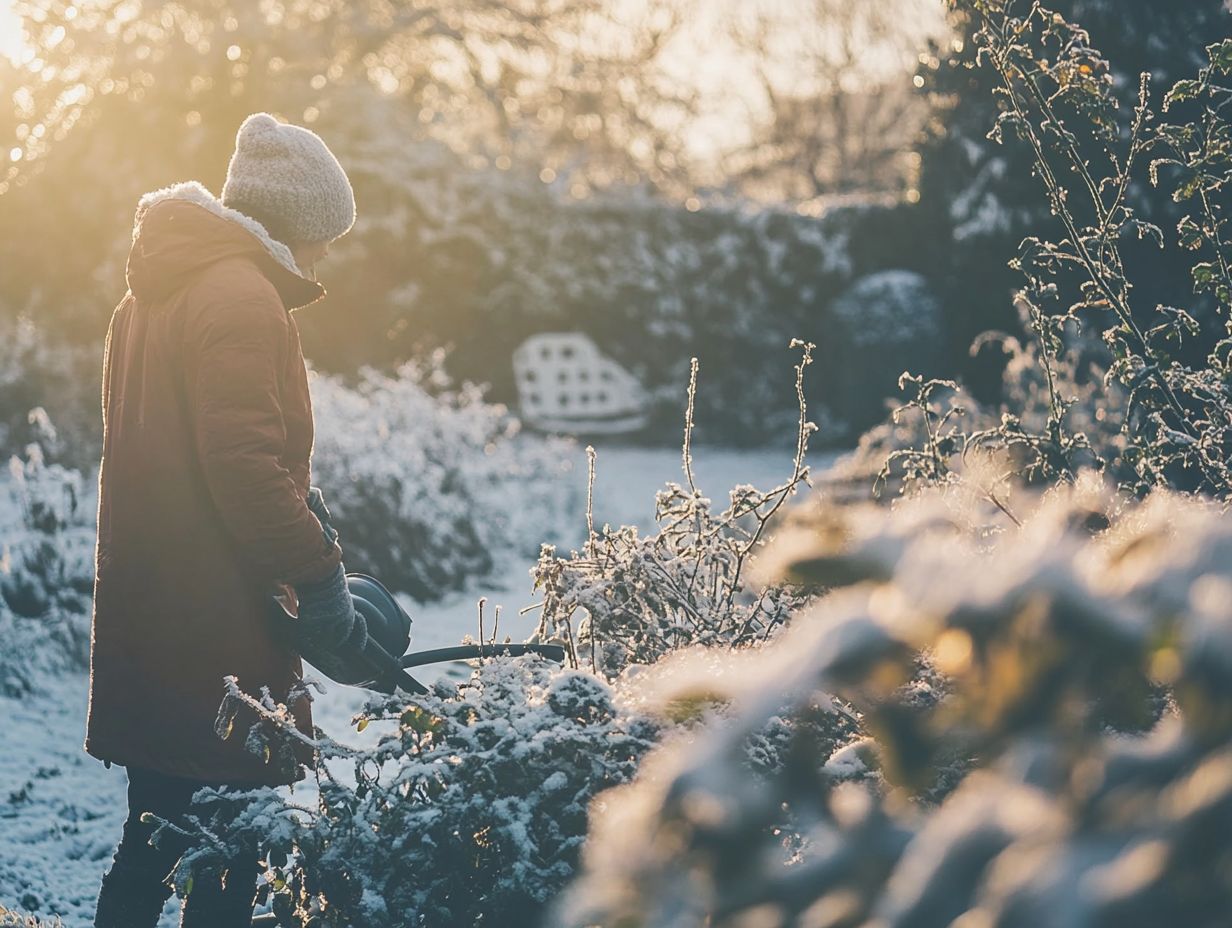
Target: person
<point>205,512</point>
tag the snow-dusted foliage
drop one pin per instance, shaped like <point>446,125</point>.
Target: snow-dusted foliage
<point>1168,361</point>
<point>635,599</point>
<point>941,434</point>
<point>11,919</point>
<point>419,473</point>
<point>629,598</point>
<point>889,308</point>
<point>41,370</point>
<point>984,198</point>
<point>1056,638</point>
<point>46,564</point>
<point>471,810</point>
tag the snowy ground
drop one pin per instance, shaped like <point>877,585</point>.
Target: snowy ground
<point>61,811</point>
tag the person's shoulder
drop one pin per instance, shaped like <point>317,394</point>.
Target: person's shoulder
<point>233,294</point>
<point>237,278</point>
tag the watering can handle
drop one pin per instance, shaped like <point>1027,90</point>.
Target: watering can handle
<point>470,652</point>
<point>393,670</point>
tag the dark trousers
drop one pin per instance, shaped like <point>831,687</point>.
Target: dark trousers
<point>133,892</point>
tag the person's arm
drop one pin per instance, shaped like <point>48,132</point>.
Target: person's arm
<point>235,355</point>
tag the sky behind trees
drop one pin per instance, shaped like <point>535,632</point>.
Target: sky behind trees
<point>713,51</point>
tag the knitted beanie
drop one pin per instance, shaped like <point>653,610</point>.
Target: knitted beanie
<point>287,175</point>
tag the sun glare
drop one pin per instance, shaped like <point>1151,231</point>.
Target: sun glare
<point>10,32</point>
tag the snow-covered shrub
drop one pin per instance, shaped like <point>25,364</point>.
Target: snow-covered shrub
<point>890,307</point>
<point>11,919</point>
<point>1056,637</point>
<point>884,323</point>
<point>429,484</point>
<point>46,564</point>
<point>471,810</point>
<point>632,599</point>
<point>482,259</point>
<point>40,369</point>
<point>635,599</point>
<point>473,807</point>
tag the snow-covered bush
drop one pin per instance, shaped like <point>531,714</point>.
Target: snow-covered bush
<point>636,599</point>
<point>482,259</point>
<point>46,564</point>
<point>429,484</point>
<point>1057,638</point>
<point>884,323</point>
<point>473,807</point>
<point>11,919</point>
<point>629,598</point>
<point>40,369</point>
<point>471,810</point>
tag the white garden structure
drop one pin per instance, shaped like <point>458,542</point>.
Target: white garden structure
<point>565,384</point>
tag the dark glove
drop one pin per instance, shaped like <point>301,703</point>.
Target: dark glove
<point>316,505</point>
<point>328,622</point>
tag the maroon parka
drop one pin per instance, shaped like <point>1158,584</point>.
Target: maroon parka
<point>207,434</point>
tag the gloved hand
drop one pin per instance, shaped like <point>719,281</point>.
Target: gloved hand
<point>328,622</point>
<point>316,505</point>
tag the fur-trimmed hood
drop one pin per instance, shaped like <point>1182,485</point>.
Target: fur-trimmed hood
<point>182,229</point>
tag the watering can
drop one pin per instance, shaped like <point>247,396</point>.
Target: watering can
<point>381,665</point>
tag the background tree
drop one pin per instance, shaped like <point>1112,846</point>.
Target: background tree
<point>838,116</point>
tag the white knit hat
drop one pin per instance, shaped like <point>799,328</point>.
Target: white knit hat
<point>288,176</point>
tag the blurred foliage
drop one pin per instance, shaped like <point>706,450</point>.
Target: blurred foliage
<point>480,263</point>
<point>47,530</point>
<point>122,97</point>
<point>1056,636</point>
<point>39,372</point>
<point>480,260</point>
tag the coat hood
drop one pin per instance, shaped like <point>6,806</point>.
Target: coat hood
<point>183,229</point>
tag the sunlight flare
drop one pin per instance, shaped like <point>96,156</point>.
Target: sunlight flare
<point>12,42</point>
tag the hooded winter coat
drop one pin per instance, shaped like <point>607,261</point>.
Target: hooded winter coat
<point>207,434</point>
